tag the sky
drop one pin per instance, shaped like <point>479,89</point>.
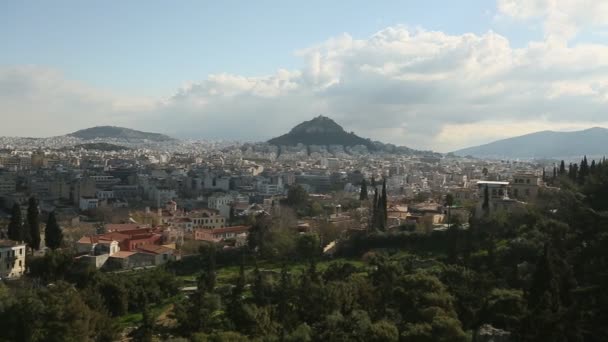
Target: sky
<point>437,75</point>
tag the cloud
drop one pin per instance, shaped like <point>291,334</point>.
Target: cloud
<point>413,87</point>
<point>40,101</point>
<point>562,19</point>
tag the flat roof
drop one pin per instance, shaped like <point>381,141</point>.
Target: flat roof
<point>493,182</point>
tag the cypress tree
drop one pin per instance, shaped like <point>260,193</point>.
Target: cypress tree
<point>363,194</point>
<point>373,182</point>
<point>15,226</point>
<point>562,168</point>
<point>554,172</point>
<point>33,224</point>
<point>486,200</point>
<point>574,172</point>
<point>583,171</point>
<point>384,203</point>
<point>53,235</point>
<point>374,222</point>
<point>380,218</point>
<point>544,176</point>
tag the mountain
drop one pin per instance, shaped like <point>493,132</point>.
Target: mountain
<point>113,132</point>
<point>101,146</point>
<point>545,144</point>
<point>320,131</point>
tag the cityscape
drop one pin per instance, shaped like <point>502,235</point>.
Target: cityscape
<point>368,196</point>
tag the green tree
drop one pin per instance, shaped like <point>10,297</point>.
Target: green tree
<point>449,202</point>
<point>363,193</point>
<point>53,236</point>
<point>33,223</point>
<point>308,247</point>
<point>486,200</point>
<point>316,209</point>
<point>384,205</point>
<point>297,197</point>
<point>15,226</point>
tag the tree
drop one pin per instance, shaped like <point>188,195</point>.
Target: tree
<point>384,204</point>
<point>562,168</point>
<point>316,209</point>
<point>15,226</point>
<point>486,200</point>
<point>363,193</point>
<point>33,224</point>
<point>308,247</point>
<point>449,202</point>
<point>297,196</point>
<point>53,236</point>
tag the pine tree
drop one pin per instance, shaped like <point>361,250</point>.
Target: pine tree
<point>33,224</point>
<point>15,226</point>
<point>53,236</point>
<point>363,194</point>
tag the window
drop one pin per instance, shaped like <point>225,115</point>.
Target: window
<point>527,192</point>
<point>20,251</point>
<point>527,181</point>
<point>19,263</point>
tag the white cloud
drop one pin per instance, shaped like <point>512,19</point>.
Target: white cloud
<point>423,89</point>
<point>562,19</point>
<point>38,101</point>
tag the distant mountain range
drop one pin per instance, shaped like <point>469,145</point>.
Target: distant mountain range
<point>323,131</point>
<point>545,144</point>
<point>121,133</point>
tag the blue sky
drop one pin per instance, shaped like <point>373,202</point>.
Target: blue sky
<point>426,74</point>
<point>151,47</point>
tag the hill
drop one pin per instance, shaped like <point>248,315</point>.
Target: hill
<point>321,131</point>
<point>101,146</point>
<point>544,144</point>
<point>113,132</point>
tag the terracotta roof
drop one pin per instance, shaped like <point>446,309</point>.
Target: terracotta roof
<point>154,249</point>
<point>121,226</point>
<point>10,243</point>
<point>233,229</point>
<point>122,254</point>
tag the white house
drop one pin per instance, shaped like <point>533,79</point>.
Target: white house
<point>12,259</point>
<point>87,203</point>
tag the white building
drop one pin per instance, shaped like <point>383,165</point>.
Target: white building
<point>12,259</point>
<point>220,202</point>
<point>87,203</point>
<point>163,195</point>
<point>104,194</point>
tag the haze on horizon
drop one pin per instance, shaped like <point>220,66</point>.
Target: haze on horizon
<point>427,75</point>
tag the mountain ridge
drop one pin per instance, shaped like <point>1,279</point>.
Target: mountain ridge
<point>115,132</point>
<point>544,144</point>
